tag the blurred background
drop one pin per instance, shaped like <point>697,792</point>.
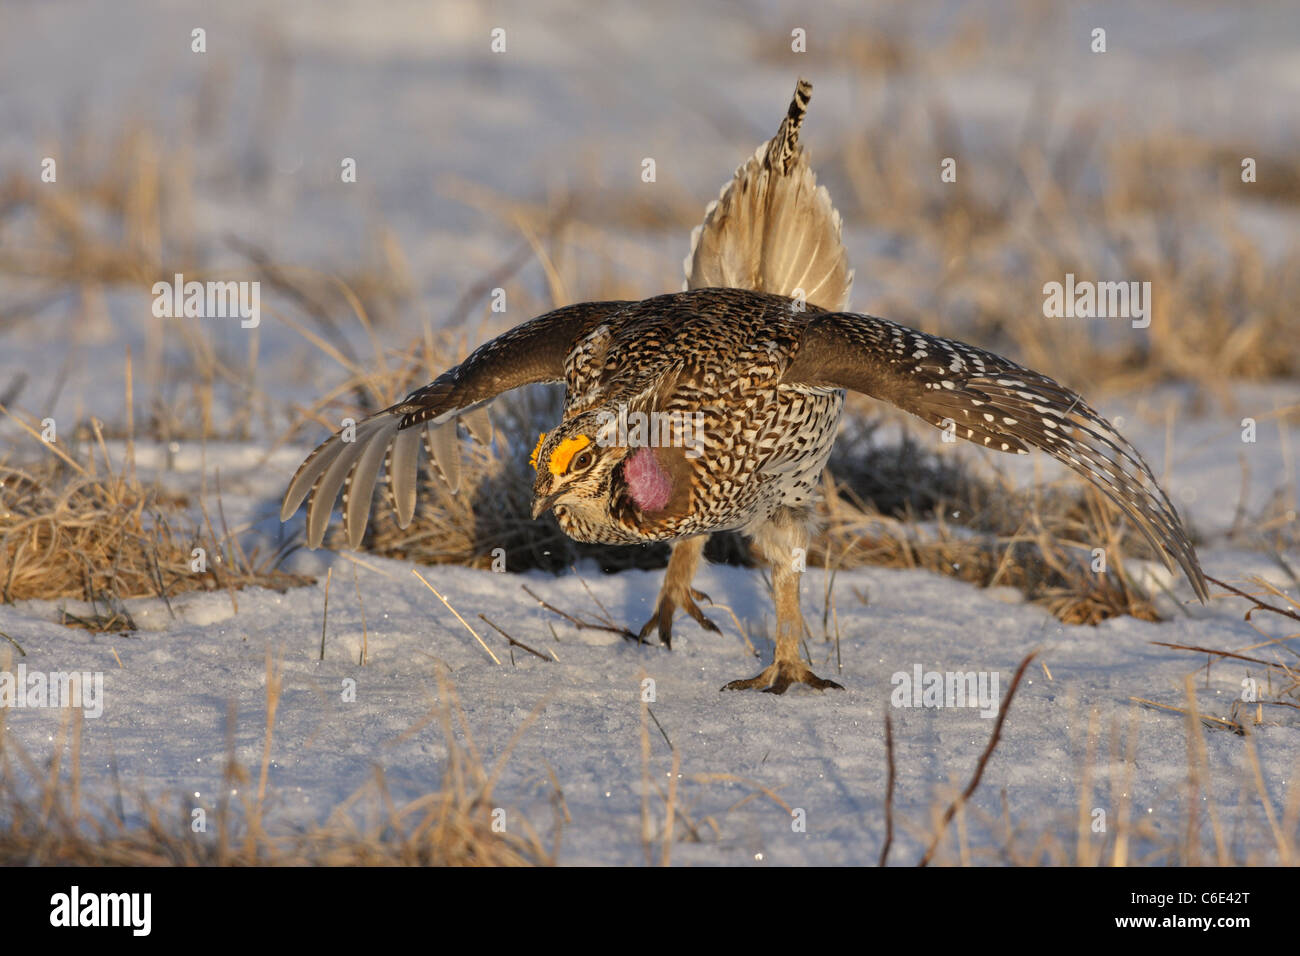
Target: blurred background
<point>502,145</point>
<point>475,167</point>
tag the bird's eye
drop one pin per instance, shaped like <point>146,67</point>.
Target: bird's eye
<point>583,461</point>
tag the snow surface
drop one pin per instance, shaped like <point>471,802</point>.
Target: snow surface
<point>409,91</point>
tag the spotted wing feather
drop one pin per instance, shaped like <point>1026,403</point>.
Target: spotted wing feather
<point>991,401</point>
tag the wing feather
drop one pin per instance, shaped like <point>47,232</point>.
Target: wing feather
<point>444,449</point>
<point>530,353</point>
<point>991,401</point>
<point>403,472</point>
<point>479,424</point>
<point>360,487</point>
<point>331,481</point>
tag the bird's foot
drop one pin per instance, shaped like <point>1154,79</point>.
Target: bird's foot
<point>779,675</point>
<point>669,602</point>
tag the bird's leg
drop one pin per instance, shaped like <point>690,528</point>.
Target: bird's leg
<point>676,591</point>
<point>786,668</point>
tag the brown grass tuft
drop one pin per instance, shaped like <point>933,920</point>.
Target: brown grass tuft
<point>67,532</point>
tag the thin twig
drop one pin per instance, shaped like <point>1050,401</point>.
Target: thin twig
<point>983,761</point>
<point>513,642</point>
<point>577,622</point>
<point>608,618</point>
<point>365,633</point>
<point>661,729</point>
<point>889,792</point>
<point>326,615</point>
<point>1210,650</point>
<point>1259,605</point>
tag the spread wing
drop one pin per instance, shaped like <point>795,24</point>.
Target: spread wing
<point>530,353</point>
<point>772,229</point>
<point>993,402</point>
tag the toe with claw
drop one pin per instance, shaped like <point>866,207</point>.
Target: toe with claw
<point>668,605</point>
<point>778,677</point>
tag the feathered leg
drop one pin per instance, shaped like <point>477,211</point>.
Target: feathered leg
<point>786,530</point>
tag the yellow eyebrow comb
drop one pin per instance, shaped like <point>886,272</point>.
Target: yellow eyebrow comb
<point>564,454</point>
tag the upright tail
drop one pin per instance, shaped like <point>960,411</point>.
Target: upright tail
<point>772,229</point>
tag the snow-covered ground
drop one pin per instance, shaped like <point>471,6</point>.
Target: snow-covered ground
<point>410,92</point>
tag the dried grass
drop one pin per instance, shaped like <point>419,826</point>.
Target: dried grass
<point>44,819</point>
<point>1182,824</point>
<point>69,531</point>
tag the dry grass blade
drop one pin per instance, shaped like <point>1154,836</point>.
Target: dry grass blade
<point>495,660</point>
<point>1208,719</point>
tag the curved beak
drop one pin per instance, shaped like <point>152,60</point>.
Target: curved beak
<point>543,505</point>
